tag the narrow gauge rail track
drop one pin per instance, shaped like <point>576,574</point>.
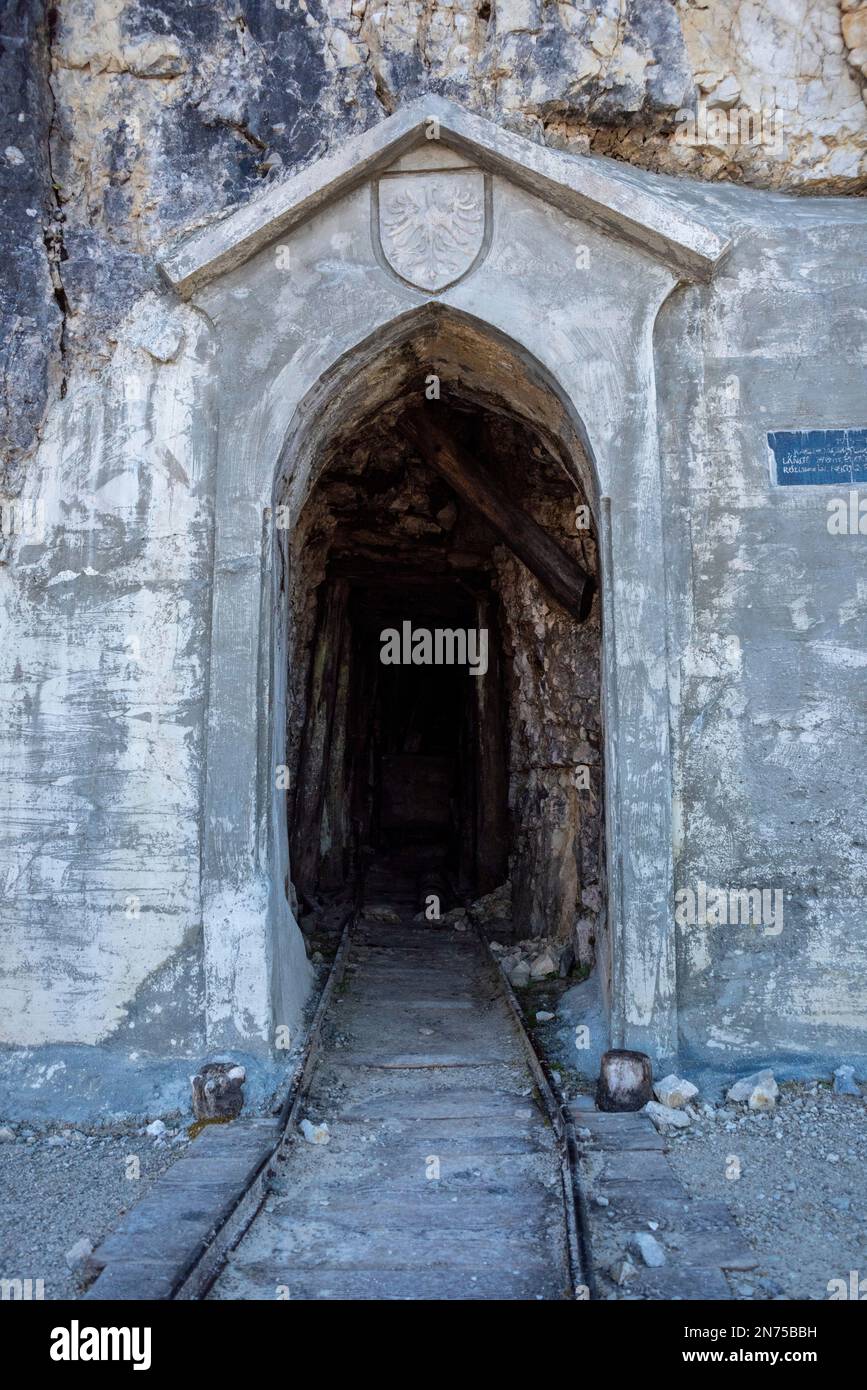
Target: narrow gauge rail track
<point>448,1172</point>
<point>450,1167</point>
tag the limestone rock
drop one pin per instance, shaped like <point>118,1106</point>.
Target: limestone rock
<point>543,958</point>
<point>79,1259</point>
<point>666,1117</point>
<point>544,965</point>
<point>315,1133</point>
<point>514,16</point>
<point>649,1248</point>
<point>764,1095</point>
<point>620,1271</point>
<point>79,1251</point>
<point>845,1083</point>
<point>520,976</point>
<point>759,1091</point>
<point>495,906</point>
<point>674,1092</point>
<point>854,26</point>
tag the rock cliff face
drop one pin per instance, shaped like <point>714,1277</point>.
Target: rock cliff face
<point>30,314</point>
<point>127,120</point>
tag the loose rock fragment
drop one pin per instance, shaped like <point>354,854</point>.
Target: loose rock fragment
<point>764,1095</point>
<point>520,975</point>
<point>844,1082</point>
<point>649,1248</point>
<point>79,1258</point>
<point>493,907</point>
<point>674,1092</point>
<point>665,1116</point>
<point>543,966</point>
<point>621,1270</point>
<point>314,1133</point>
<point>760,1083</point>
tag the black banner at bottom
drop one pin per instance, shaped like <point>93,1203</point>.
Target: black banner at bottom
<point>229,1340</point>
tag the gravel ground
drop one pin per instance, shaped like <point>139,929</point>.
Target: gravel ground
<point>57,1189</point>
<point>801,1194</point>
<point>794,1178</point>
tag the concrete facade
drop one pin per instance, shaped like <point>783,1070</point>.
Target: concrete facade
<point>655,330</point>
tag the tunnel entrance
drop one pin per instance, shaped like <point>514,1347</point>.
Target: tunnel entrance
<point>428,788</point>
<point>414,799</point>
<point>444,731</point>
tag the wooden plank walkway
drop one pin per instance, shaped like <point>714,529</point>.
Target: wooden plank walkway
<point>441,1179</point>
<point>624,1161</point>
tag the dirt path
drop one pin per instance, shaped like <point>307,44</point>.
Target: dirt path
<point>440,1179</point>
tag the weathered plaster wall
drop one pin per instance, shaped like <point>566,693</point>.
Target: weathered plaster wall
<point>104,667</point>
<point>131,121</point>
<point>768,621</point>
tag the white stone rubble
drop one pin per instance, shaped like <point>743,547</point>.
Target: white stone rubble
<point>759,1091</point>
<point>665,1117</point>
<point>845,1083</point>
<point>315,1133</point>
<point>649,1248</point>
<point>674,1092</point>
<point>534,959</point>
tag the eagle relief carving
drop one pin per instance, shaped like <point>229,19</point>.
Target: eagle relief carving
<point>432,225</point>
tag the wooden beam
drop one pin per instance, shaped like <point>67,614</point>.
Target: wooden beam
<point>319,737</point>
<point>561,574</point>
<point>492,779</point>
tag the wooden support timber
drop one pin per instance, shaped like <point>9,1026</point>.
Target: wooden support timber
<point>562,576</point>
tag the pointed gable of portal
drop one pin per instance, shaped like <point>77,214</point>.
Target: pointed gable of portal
<point>639,208</point>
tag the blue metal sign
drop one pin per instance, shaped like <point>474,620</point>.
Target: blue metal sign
<point>810,457</point>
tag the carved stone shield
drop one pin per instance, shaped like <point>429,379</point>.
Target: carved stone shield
<point>432,225</point>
